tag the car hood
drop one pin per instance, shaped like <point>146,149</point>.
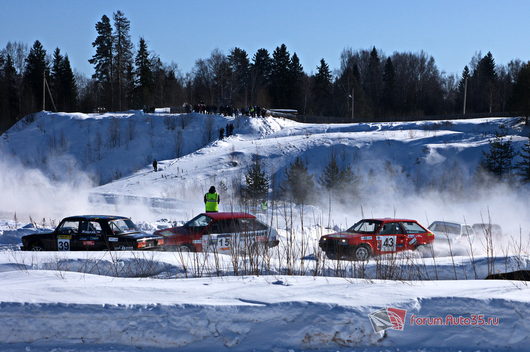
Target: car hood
<point>37,234</point>
<point>138,235</point>
<point>345,235</point>
<point>172,231</point>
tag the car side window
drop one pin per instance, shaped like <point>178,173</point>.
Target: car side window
<point>224,226</point>
<point>390,228</point>
<point>69,226</point>
<point>412,227</point>
<point>90,227</point>
<point>251,225</point>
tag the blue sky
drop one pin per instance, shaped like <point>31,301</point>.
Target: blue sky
<point>183,31</point>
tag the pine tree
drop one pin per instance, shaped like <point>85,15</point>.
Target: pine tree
<point>299,184</point>
<point>335,179</point>
<point>11,92</point>
<point>36,66</point>
<point>331,176</point>
<point>295,90</point>
<point>466,77</point>
<point>389,87</point>
<point>373,80</point>
<point>322,89</point>
<point>260,72</point>
<point>521,92</point>
<point>523,166</point>
<point>485,80</point>
<point>123,57</point>
<point>69,86</point>
<point>498,159</point>
<point>4,110</point>
<point>257,183</point>
<point>240,66</point>
<point>62,82</point>
<point>56,79</point>
<point>103,62</point>
<point>144,84</point>
<point>280,77</point>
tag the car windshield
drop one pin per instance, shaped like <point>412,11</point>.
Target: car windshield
<point>199,221</point>
<point>122,226</point>
<point>365,226</point>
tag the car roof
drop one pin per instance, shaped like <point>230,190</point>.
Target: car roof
<point>448,223</point>
<point>229,215</point>
<point>95,217</point>
<point>385,220</point>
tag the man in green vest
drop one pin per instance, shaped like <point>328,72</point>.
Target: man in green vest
<point>211,200</point>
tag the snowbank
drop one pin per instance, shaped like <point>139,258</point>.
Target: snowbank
<point>44,310</point>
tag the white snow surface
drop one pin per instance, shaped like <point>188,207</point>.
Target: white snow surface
<point>72,311</point>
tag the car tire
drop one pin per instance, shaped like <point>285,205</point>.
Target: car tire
<point>362,253</point>
<point>182,248</point>
<point>36,247</point>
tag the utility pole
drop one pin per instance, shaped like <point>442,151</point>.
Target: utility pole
<point>44,90</point>
<point>465,96</point>
<point>352,96</point>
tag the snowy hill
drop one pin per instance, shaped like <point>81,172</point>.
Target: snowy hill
<point>410,169</point>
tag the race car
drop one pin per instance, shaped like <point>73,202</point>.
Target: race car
<point>452,232</point>
<point>370,237</point>
<point>92,233</point>
<point>224,233</point>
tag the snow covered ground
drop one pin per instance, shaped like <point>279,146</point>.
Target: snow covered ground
<point>48,311</point>
<point>55,165</point>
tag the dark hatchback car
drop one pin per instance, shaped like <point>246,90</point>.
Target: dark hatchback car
<point>225,233</point>
<point>92,233</point>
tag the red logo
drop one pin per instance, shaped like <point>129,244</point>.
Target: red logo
<point>388,318</point>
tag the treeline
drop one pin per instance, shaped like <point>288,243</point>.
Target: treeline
<point>368,83</point>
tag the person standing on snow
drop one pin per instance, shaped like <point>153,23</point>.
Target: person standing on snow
<point>155,165</point>
<point>211,201</point>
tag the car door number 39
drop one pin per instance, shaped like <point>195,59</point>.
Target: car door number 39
<point>388,243</point>
<point>63,244</point>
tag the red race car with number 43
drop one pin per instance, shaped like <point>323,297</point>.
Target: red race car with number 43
<point>371,237</point>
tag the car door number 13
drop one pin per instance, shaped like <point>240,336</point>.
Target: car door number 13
<point>63,244</point>
<point>387,243</point>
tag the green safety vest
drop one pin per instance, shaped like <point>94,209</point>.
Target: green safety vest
<point>211,202</point>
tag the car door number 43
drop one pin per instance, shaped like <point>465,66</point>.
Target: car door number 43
<point>63,244</point>
<point>387,243</point>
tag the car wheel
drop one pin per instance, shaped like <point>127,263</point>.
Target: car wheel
<point>36,247</point>
<point>182,248</point>
<point>362,253</point>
